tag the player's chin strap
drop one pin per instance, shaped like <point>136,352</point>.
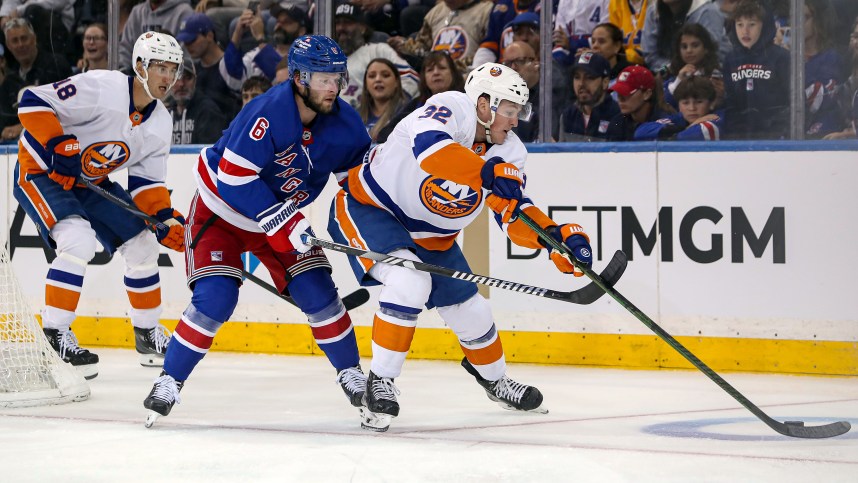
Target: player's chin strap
<point>487,126</point>
<point>145,80</point>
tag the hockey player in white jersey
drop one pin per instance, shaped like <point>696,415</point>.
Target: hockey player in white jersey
<point>88,126</point>
<point>412,197</point>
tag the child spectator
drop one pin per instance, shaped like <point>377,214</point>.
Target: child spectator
<point>664,18</point>
<point>254,86</point>
<point>629,16</point>
<point>639,102</point>
<point>695,120</point>
<point>383,97</point>
<point>848,93</point>
<point>593,110</point>
<point>756,76</point>
<point>694,54</point>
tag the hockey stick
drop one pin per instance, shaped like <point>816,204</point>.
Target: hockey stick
<point>795,429</point>
<point>582,296</point>
<point>350,301</point>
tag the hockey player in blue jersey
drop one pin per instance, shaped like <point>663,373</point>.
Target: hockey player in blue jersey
<point>275,157</point>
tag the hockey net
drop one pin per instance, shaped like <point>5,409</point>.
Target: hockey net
<point>31,372</point>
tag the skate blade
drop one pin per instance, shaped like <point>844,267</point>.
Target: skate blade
<point>374,422</point>
<point>151,418</point>
<point>538,410</point>
<point>88,371</point>
<point>152,360</point>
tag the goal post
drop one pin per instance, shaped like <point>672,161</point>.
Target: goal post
<point>31,372</point>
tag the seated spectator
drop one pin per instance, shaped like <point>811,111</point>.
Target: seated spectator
<point>756,77</point>
<point>500,26</point>
<point>440,74</point>
<point>355,38</point>
<point>253,87</point>
<point>824,70</point>
<point>607,41</point>
<point>52,21</point>
<point>591,114</point>
<point>574,21</point>
<point>848,93</point>
<point>198,37</point>
<point>523,28</point>
<point>664,18</point>
<point>694,54</point>
<point>94,49</point>
<point>695,121</point>
<point>30,66</point>
<point>520,57</point>
<point>452,25</point>
<point>383,96</point>
<point>629,16</point>
<point>166,15</point>
<point>639,102</point>
<point>196,118</point>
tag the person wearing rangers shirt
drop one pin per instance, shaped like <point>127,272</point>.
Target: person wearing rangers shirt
<point>756,77</point>
<point>276,157</point>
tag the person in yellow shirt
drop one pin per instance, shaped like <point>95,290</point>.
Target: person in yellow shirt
<point>629,15</point>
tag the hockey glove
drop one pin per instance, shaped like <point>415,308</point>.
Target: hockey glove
<point>504,181</point>
<point>172,234</point>
<point>284,225</point>
<point>577,242</point>
<point>64,153</point>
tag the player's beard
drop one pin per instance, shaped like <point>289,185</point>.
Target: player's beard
<point>316,105</point>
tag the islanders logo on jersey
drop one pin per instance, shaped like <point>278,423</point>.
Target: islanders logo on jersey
<point>100,159</point>
<point>449,199</point>
<point>453,39</point>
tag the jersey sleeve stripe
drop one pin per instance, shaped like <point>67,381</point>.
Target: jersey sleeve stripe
<point>426,143</point>
<point>224,166</point>
<point>455,163</point>
<point>42,125</point>
<point>240,161</point>
<point>30,101</point>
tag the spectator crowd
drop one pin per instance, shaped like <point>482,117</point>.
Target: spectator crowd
<point>620,70</point>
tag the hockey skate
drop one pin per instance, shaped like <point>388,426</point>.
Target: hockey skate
<point>353,382</point>
<point>380,403</point>
<point>508,393</point>
<point>164,394</point>
<point>152,344</point>
<point>65,343</point>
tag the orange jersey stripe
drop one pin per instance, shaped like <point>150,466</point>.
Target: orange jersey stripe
<point>43,125</point>
<point>457,164</point>
<point>437,243</point>
<point>485,355</point>
<point>61,298</point>
<point>153,200</point>
<point>522,235</point>
<point>392,337</point>
<point>35,197</point>
<point>349,229</point>
<point>356,188</point>
<point>145,300</point>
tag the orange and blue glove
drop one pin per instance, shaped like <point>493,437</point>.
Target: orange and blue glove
<point>64,159</point>
<point>504,181</point>
<point>577,242</point>
<point>172,233</point>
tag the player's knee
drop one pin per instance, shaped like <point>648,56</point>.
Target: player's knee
<point>403,286</point>
<point>75,239</point>
<point>216,297</point>
<point>141,251</point>
<point>471,320</point>
<point>314,291</point>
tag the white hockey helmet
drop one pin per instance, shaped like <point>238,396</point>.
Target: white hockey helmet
<point>158,47</point>
<point>499,83</point>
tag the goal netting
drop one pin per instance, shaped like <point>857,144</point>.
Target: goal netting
<point>31,372</point>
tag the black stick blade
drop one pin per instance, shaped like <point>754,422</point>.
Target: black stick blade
<point>797,429</point>
<point>610,275</point>
<point>356,299</point>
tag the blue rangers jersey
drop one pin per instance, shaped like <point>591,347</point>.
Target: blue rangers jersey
<point>267,156</point>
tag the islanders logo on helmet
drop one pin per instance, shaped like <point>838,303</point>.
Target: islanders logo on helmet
<point>495,71</point>
<point>448,199</point>
<point>100,159</point>
<point>453,39</point>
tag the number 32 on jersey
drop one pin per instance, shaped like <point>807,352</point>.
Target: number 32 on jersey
<point>440,114</point>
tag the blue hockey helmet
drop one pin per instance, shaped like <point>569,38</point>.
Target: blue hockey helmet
<point>316,53</point>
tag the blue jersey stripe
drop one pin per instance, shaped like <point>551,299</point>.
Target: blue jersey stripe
<point>426,140</point>
<point>31,100</point>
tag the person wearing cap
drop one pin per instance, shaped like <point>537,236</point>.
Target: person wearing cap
<point>574,22</point>
<point>504,18</point>
<point>695,120</point>
<point>591,113</point>
<point>639,102</point>
<point>196,118</point>
<point>164,15</point>
<point>355,37</point>
<point>197,35</point>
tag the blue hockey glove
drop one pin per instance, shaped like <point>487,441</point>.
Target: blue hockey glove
<point>577,242</point>
<point>504,181</point>
<point>64,155</point>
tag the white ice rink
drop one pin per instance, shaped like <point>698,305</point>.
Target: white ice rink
<point>279,418</point>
